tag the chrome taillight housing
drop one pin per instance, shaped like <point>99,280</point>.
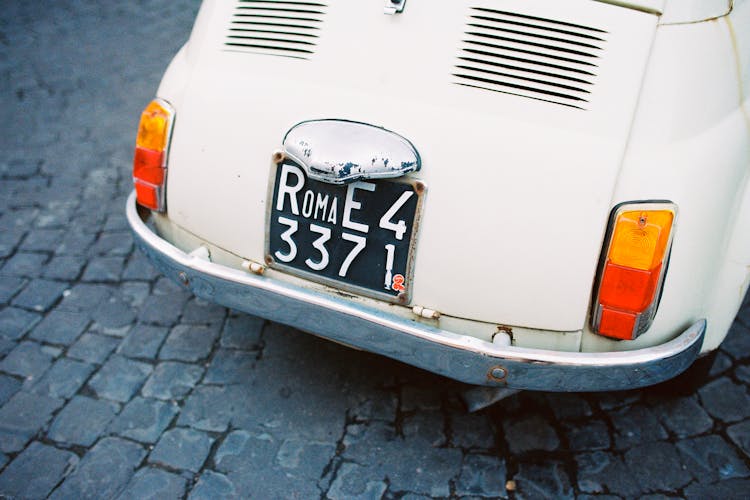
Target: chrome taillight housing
<point>633,265</point>
<point>151,153</point>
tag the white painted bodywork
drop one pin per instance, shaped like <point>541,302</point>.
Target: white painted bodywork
<point>519,190</point>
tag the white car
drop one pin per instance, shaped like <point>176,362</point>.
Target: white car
<point>530,194</point>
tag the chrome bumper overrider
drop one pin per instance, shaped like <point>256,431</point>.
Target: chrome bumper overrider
<point>460,357</point>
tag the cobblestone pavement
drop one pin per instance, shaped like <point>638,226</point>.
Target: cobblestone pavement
<point>114,382</point>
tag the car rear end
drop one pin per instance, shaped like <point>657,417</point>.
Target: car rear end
<point>498,191</point>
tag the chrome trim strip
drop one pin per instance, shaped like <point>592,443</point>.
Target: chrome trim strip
<point>461,357</point>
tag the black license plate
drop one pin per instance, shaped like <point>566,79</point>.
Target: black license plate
<point>357,236</point>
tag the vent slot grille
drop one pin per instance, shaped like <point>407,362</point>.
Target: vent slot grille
<point>528,56</point>
<point>275,27</point>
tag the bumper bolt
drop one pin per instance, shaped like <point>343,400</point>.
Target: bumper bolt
<point>498,373</point>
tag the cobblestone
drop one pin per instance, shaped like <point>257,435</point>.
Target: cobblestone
<point>530,434</point>
<point>8,387</point>
<point>349,483</point>
<point>143,341</point>
<point>104,269</point>
<point>9,287</point>
<point>6,346</point>
<point>36,471</point>
<point>472,432</point>
<point>171,380</point>
<point>659,467</point>
<point>63,379</point>
<point>742,373</point>
<point>213,485</point>
<point>198,311</point>
<point>188,343</point>
<point>39,295</point>
<point>28,360</point>
<point>740,436</point>
<point>115,382</point>
<point>248,461</point>
<point>230,367</point>
<point>725,400</point>
<point>92,348</point>
<point>737,343</point>
<point>42,240</point>
<point>482,476</point>
<point>711,459</point>
<point>549,480</point>
<point>138,268</point>
<point>144,420</point>
<point>24,264</point>
<point>113,244</point>
<point>60,327</point>
<point>9,239</point>
<point>684,417</point>
<point>82,421</point>
<point>119,378</point>
<point>184,449</point>
<point>635,425</point>
<point>242,331</point>
<point>163,310</point>
<point>370,445</point>
<point>593,435</point>
<point>14,322</point>
<point>64,268</point>
<point>113,316</point>
<point>733,489</point>
<point>154,484</point>
<point>75,243</point>
<point>601,472</point>
<point>209,409</point>
<point>22,417</point>
<point>568,406</point>
<point>103,472</point>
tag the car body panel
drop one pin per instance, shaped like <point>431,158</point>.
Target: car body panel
<point>506,170</point>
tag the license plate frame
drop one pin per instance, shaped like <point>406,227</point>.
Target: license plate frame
<point>369,208</point>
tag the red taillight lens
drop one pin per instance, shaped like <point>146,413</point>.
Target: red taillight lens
<point>151,150</point>
<point>626,288</point>
<point>633,269</point>
<point>617,324</point>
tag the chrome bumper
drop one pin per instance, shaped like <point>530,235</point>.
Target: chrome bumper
<point>460,357</point>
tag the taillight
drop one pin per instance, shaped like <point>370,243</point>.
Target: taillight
<point>151,149</point>
<point>633,266</point>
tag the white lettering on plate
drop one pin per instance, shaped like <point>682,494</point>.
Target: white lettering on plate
<point>350,204</point>
<point>321,203</point>
<point>308,203</point>
<point>390,249</point>
<point>399,228</point>
<point>286,236</point>
<point>291,190</point>
<point>317,206</point>
<point>319,245</point>
<point>334,210</point>
<point>360,242</point>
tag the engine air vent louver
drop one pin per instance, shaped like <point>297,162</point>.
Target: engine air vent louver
<point>275,27</point>
<point>529,56</point>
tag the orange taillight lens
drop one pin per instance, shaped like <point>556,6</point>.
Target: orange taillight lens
<point>151,150</point>
<point>640,238</point>
<point>633,269</point>
<point>153,130</point>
